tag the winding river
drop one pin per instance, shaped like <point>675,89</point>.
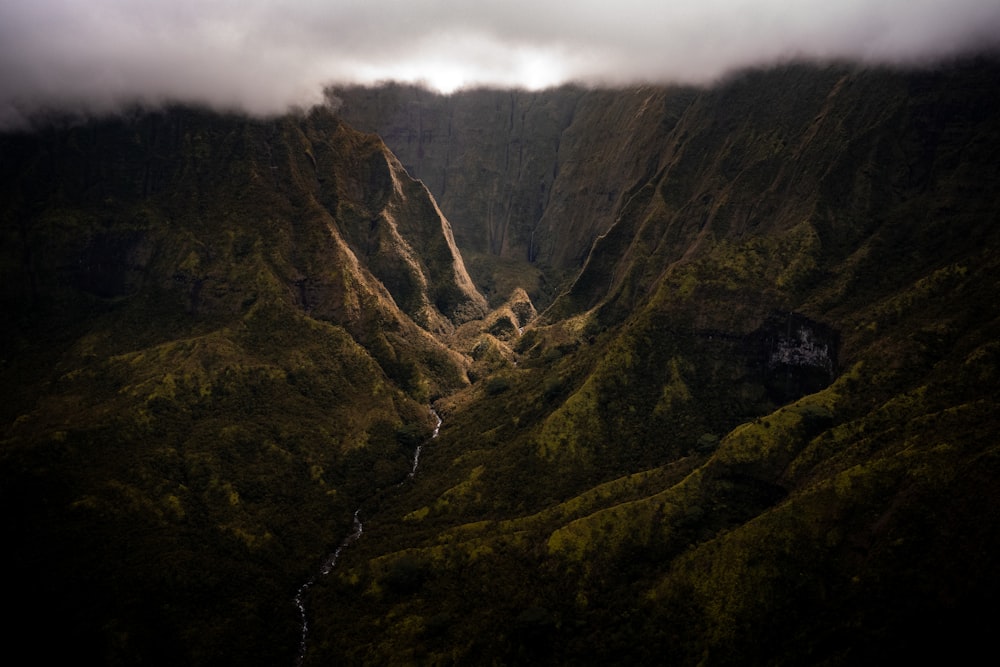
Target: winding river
<point>331,560</point>
<point>328,565</point>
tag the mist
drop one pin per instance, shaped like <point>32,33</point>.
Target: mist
<point>263,58</point>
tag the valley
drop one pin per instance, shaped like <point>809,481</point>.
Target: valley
<point>712,374</point>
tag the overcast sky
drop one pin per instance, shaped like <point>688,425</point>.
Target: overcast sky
<point>263,56</point>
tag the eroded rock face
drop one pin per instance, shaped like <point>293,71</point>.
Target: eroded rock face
<point>524,310</point>
<point>112,264</point>
<point>531,176</point>
<point>628,182</point>
<point>408,244</point>
<point>794,355</point>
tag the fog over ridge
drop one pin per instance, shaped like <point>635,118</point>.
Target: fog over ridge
<point>263,57</point>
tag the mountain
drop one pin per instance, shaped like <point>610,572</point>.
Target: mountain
<point>525,177</point>
<point>753,423</point>
<point>762,409</point>
<point>221,335</point>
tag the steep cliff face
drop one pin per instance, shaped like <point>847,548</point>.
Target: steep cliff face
<point>538,177</point>
<point>489,156</point>
<point>533,177</point>
<point>833,190</point>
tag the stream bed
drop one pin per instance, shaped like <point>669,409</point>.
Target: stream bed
<point>331,560</point>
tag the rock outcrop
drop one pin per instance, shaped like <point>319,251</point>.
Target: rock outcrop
<point>794,355</point>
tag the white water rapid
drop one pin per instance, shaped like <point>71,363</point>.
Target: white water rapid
<point>331,560</point>
<point>416,454</point>
<point>328,565</point>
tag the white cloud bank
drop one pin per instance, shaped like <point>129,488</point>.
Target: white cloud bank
<point>263,56</point>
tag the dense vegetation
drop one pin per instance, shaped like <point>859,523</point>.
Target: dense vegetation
<point>757,427</point>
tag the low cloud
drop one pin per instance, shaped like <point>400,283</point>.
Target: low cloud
<point>260,57</point>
